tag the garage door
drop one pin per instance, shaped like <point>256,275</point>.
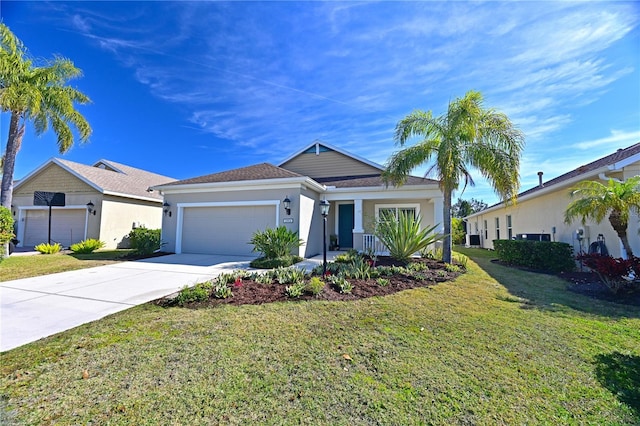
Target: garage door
<point>224,230</point>
<point>67,226</point>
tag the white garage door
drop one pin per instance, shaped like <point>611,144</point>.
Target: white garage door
<point>67,226</point>
<point>224,230</point>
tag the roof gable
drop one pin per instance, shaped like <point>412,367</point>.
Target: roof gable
<point>113,178</point>
<point>322,160</point>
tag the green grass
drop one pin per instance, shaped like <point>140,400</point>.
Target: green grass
<point>497,346</point>
<point>16,267</point>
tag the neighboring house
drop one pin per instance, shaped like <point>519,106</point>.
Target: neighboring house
<point>119,196</point>
<point>219,213</point>
<point>540,210</point>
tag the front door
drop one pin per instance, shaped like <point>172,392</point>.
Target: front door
<point>345,225</point>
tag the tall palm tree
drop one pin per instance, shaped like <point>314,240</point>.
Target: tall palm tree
<point>595,200</point>
<point>37,94</point>
<point>467,135</point>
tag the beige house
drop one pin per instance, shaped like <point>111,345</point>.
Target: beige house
<point>103,201</point>
<point>219,213</point>
<point>540,210</point>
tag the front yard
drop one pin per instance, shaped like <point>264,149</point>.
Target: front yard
<point>496,346</point>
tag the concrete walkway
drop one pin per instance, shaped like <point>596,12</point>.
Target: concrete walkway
<point>33,308</point>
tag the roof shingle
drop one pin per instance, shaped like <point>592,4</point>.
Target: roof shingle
<point>255,172</point>
<point>132,181</point>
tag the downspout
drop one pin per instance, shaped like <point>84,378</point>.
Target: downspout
<point>604,177</point>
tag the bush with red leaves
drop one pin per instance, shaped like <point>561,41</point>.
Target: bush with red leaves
<point>615,273</point>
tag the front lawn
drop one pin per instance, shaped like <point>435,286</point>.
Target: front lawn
<point>16,267</point>
<point>496,346</point>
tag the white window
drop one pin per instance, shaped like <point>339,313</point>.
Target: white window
<point>486,231</point>
<point>497,228</point>
<point>509,227</point>
<point>394,210</point>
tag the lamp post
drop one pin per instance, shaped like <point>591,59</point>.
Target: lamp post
<point>324,211</point>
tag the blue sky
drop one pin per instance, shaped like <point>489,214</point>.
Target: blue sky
<point>190,88</point>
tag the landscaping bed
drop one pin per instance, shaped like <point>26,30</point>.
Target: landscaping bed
<point>587,283</point>
<point>248,291</point>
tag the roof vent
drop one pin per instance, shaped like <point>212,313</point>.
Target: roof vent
<point>540,184</point>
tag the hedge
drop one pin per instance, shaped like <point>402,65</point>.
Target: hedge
<point>540,255</point>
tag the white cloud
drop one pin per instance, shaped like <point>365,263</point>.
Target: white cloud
<point>621,139</point>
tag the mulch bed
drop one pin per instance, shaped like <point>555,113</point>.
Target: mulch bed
<point>588,284</point>
<point>253,293</point>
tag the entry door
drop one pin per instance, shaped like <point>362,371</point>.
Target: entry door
<point>345,225</point>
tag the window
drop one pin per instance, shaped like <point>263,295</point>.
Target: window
<point>486,231</point>
<point>384,211</point>
<point>509,228</point>
<point>497,228</point>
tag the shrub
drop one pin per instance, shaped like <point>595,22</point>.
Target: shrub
<point>315,286</point>
<point>288,275</point>
<point>540,255</point>
<point>295,290</point>
<point>87,246</point>
<point>264,278</point>
<point>347,257</point>
<point>383,282</point>
<point>613,272</point>
<point>198,293</point>
<point>461,260</point>
<point>275,243</point>
<point>266,263</point>
<point>6,230</point>
<point>359,269</point>
<point>221,290</point>
<point>145,241</point>
<point>403,236</point>
<point>341,283</point>
<point>46,248</point>
<point>450,267</point>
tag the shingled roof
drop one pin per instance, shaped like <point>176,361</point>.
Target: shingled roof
<point>585,169</point>
<point>113,178</point>
<point>372,180</point>
<point>257,172</point>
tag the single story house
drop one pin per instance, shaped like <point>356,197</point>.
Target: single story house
<point>540,210</point>
<point>219,213</point>
<point>102,201</point>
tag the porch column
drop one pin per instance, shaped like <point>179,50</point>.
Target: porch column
<point>357,216</point>
<point>438,218</point>
<point>358,230</point>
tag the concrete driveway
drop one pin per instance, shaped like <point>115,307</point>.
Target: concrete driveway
<point>33,308</point>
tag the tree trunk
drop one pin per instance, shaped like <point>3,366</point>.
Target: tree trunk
<point>446,217</point>
<point>621,229</point>
<point>14,141</point>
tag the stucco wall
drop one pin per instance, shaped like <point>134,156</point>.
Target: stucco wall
<point>118,216</point>
<point>546,212</point>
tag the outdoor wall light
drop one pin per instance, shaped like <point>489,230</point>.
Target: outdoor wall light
<point>166,210</point>
<point>287,205</point>
<point>324,211</point>
<point>91,208</point>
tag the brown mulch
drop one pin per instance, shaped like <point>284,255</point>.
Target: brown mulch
<point>254,293</point>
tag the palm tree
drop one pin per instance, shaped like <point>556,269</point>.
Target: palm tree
<point>467,135</point>
<point>616,199</point>
<point>37,94</point>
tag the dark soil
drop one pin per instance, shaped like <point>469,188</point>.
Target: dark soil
<point>252,293</point>
<point>138,256</point>
<point>589,284</point>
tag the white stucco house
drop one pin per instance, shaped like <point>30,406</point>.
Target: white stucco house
<point>102,201</point>
<point>218,213</point>
<point>540,210</point>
